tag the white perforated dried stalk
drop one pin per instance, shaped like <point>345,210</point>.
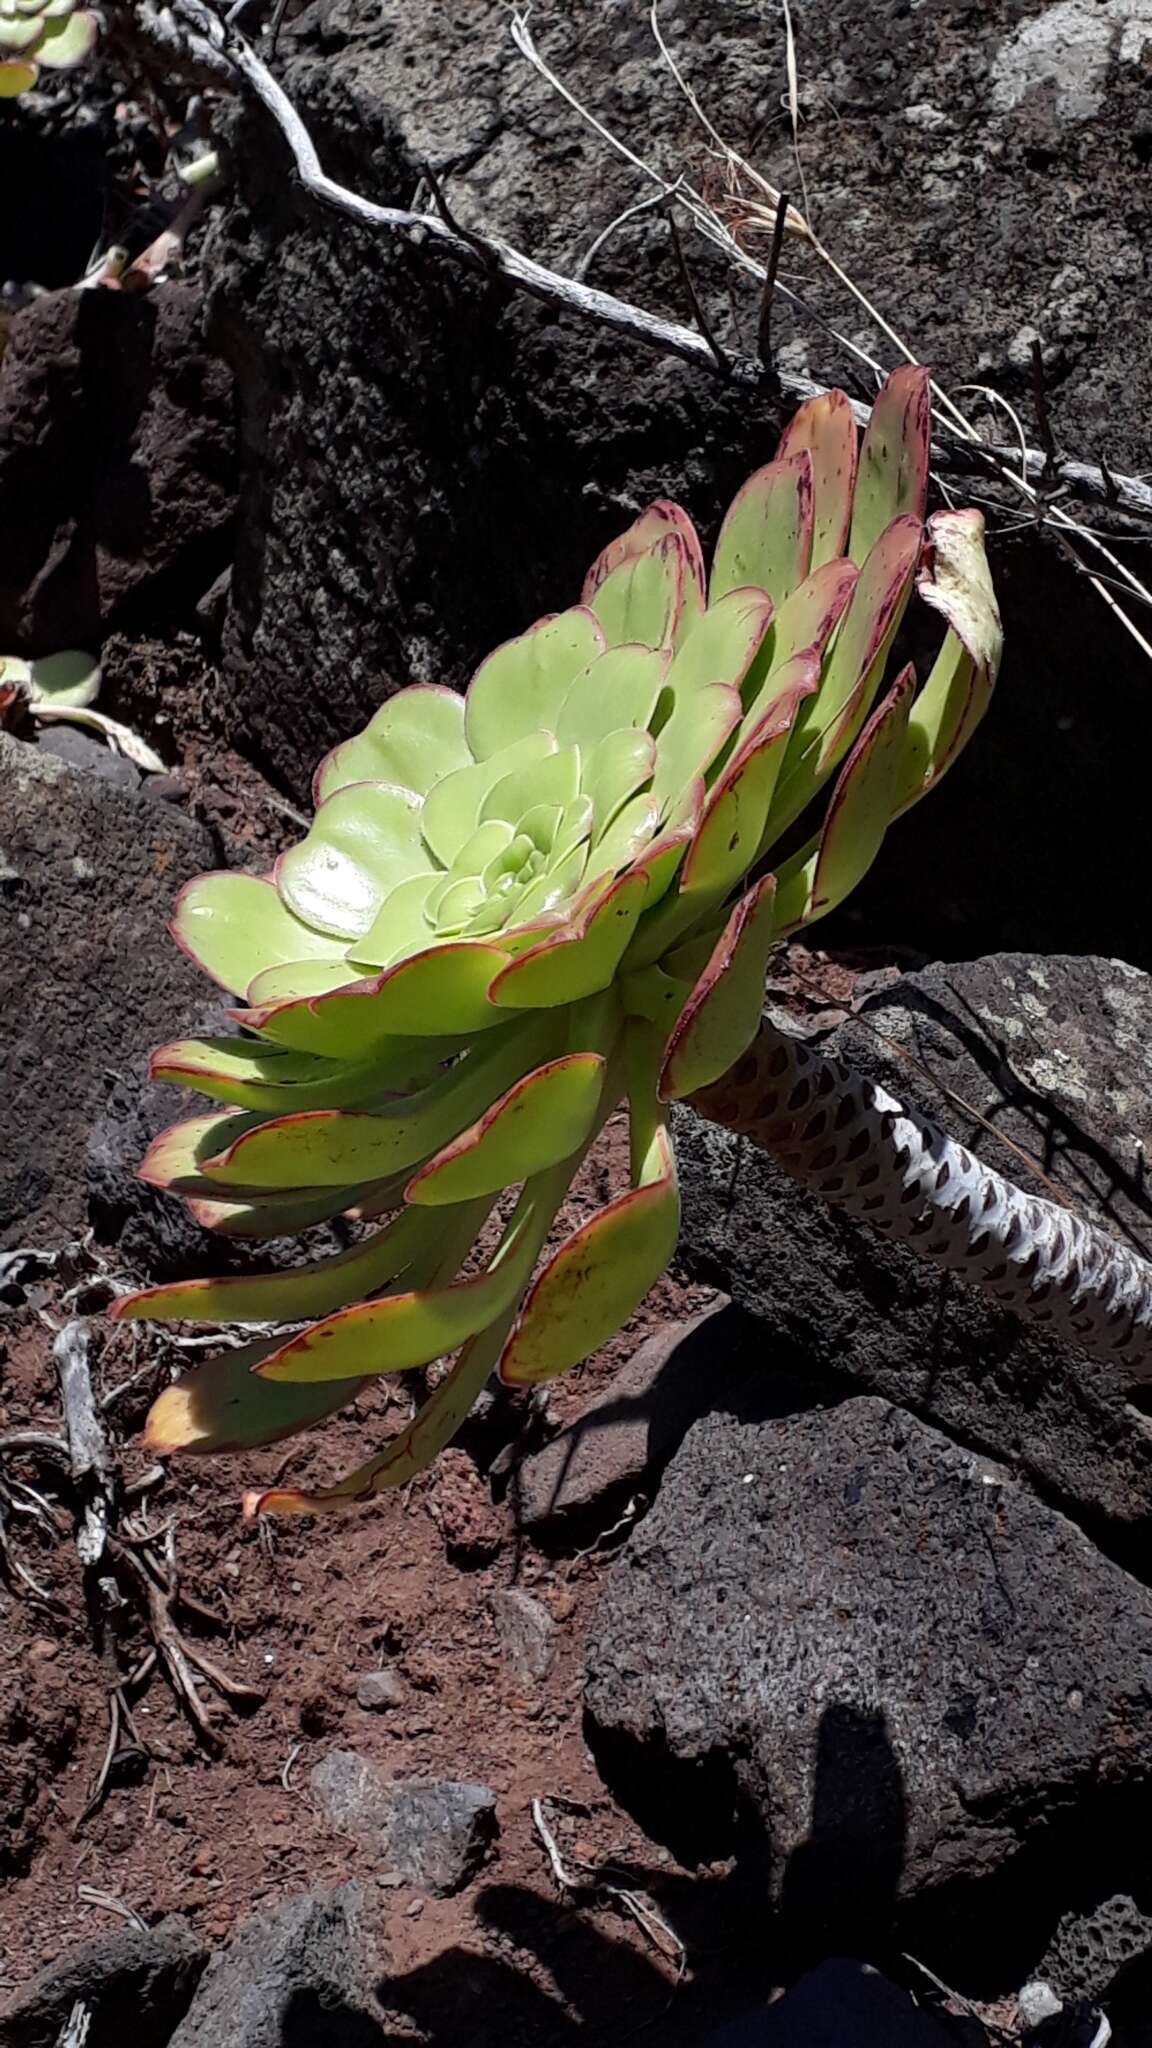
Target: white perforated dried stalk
<point>848,1140</point>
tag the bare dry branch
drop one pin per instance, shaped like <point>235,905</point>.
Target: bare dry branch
<point>189,32</point>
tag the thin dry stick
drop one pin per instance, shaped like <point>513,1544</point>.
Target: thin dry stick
<point>760,210</point>
<point>189,33</point>
<point>93,1465</point>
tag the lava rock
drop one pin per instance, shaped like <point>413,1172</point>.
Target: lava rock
<point>136,1984</point>
<point>1055,1053</point>
<point>843,1646</point>
<point>842,2004</point>
<point>1092,1947</point>
<point>89,978</point>
<point>432,1833</point>
<point>526,1630</point>
<point>303,1971</point>
<point>617,1448</point>
<point>117,442</point>
<point>430,461</point>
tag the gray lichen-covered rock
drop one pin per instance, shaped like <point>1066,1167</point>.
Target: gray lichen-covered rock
<point>845,1641</point>
<point>1057,1055</point>
<point>89,978</point>
<point>432,1833</point>
<point>135,1984</point>
<point>302,1971</point>
<point>430,461</point>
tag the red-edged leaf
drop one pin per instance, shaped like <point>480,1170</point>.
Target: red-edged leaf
<point>893,474</point>
<point>826,428</point>
<point>766,538</point>
<point>722,1014</point>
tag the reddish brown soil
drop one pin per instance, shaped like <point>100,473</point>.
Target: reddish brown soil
<point>304,1610</point>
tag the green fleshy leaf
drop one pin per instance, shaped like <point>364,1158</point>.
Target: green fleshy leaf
<point>452,810</point>
<point>235,926</point>
<point>830,721</point>
<point>555,780</point>
<point>413,740</point>
<point>275,1079</point>
<point>221,1406</point>
<point>411,1450</point>
<point>412,1329</point>
<point>282,1215</point>
<point>701,722</point>
<point>577,961</point>
<point>621,688</point>
<point>401,926</point>
<point>69,680</point>
<point>539,1121</point>
<point>177,1155</point>
<point>316,1289</point>
<point>633,828</point>
<point>659,522</point>
<point>15,78</point>
<point>19,34</point>
<point>723,645</point>
<point>722,1015</point>
<point>808,617</point>
<point>601,1274</point>
<point>66,42</point>
<point>363,842</point>
<point>296,978</point>
<point>826,429</point>
<point>766,538</point>
<point>617,767</point>
<point>893,473</point>
<point>518,691</point>
<point>442,991</point>
<point>332,1148</point>
<point>820,875</point>
<point>640,602</point>
<point>554,889</point>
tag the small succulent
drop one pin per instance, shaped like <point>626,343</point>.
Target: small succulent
<point>518,908</point>
<point>55,34</point>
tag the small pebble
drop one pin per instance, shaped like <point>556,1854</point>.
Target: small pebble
<point>378,1690</point>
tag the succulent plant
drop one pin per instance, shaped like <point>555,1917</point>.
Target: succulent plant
<point>55,34</point>
<point>519,908</point>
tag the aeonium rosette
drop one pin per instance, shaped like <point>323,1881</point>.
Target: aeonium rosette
<point>55,34</point>
<point>517,909</point>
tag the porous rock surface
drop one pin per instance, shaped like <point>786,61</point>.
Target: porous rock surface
<point>89,982</point>
<point>430,461</point>
<point>134,1984</point>
<point>300,1971</point>
<point>117,444</point>
<point>1055,1054</point>
<point>846,1640</point>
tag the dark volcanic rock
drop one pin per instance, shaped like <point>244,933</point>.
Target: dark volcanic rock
<point>117,444</point>
<point>1056,1053</point>
<point>300,1972</point>
<point>89,981</point>
<point>616,1449</point>
<point>843,1646</point>
<point>429,462</point>
<point>136,1984</point>
<point>842,2005</point>
<point>432,1833</point>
